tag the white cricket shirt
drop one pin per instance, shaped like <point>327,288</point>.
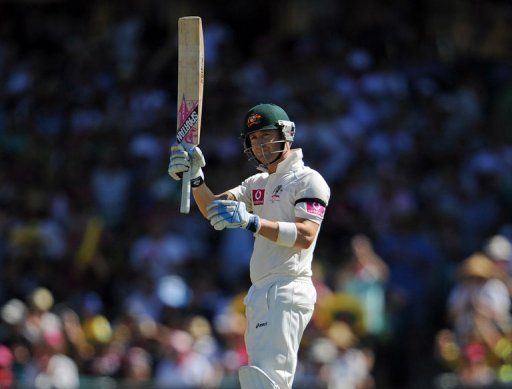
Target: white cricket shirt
<point>293,191</point>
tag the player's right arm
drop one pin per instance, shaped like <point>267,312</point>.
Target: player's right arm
<point>182,161</point>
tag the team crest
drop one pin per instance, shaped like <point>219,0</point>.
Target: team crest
<point>276,193</point>
<point>253,119</point>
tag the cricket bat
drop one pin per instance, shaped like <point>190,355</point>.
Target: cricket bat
<point>190,91</point>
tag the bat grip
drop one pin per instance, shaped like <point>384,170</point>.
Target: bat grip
<point>185,193</point>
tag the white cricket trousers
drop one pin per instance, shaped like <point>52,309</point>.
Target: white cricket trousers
<point>278,310</point>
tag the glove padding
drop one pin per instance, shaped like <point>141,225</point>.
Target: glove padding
<point>182,161</point>
<point>231,214</point>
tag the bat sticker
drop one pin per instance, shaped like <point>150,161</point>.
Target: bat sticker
<point>189,117</point>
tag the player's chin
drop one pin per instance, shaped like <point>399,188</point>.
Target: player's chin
<point>260,158</point>
<point>265,157</point>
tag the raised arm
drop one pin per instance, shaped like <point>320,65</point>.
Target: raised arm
<point>182,161</point>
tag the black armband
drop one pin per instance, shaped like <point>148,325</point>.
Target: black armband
<point>197,182</point>
<point>310,200</point>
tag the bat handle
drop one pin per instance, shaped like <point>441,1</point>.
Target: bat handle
<point>185,193</point>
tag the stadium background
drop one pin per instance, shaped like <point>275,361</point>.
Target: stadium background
<point>404,107</point>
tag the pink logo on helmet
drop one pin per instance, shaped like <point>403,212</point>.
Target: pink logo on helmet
<point>315,208</point>
<point>258,196</point>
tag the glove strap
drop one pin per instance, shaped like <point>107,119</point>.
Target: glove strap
<point>254,224</point>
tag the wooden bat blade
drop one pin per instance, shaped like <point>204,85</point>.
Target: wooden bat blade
<point>190,80</point>
<point>190,91</point>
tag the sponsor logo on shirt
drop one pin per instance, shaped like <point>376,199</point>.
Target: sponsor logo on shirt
<point>315,208</point>
<point>258,196</point>
<point>258,325</point>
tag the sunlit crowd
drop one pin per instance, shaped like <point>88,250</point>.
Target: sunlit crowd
<point>103,281</point>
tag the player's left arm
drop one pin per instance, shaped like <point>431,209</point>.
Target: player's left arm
<point>232,214</point>
<point>306,231</point>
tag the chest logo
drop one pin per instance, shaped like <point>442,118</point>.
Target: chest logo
<point>258,196</point>
<point>276,192</point>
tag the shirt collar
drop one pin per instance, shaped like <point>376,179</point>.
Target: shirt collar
<point>293,162</point>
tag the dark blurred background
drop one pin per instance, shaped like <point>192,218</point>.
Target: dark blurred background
<point>404,107</point>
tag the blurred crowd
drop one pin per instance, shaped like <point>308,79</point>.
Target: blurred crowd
<point>404,108</point>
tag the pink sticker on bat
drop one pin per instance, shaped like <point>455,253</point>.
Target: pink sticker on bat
<point>188,121</point>
<point>315,208</point>
<point>258,196</point>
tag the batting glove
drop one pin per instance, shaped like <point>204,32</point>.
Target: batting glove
<point>182,161</point>
<point>232,214</point>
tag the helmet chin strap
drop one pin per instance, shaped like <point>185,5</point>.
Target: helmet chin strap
<point>263,166</point>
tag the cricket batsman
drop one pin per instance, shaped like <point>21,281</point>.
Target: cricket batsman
<point>283,206</point>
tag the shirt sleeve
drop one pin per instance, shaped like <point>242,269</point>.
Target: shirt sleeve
<point>312,198</point>
<point>242,193</point>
